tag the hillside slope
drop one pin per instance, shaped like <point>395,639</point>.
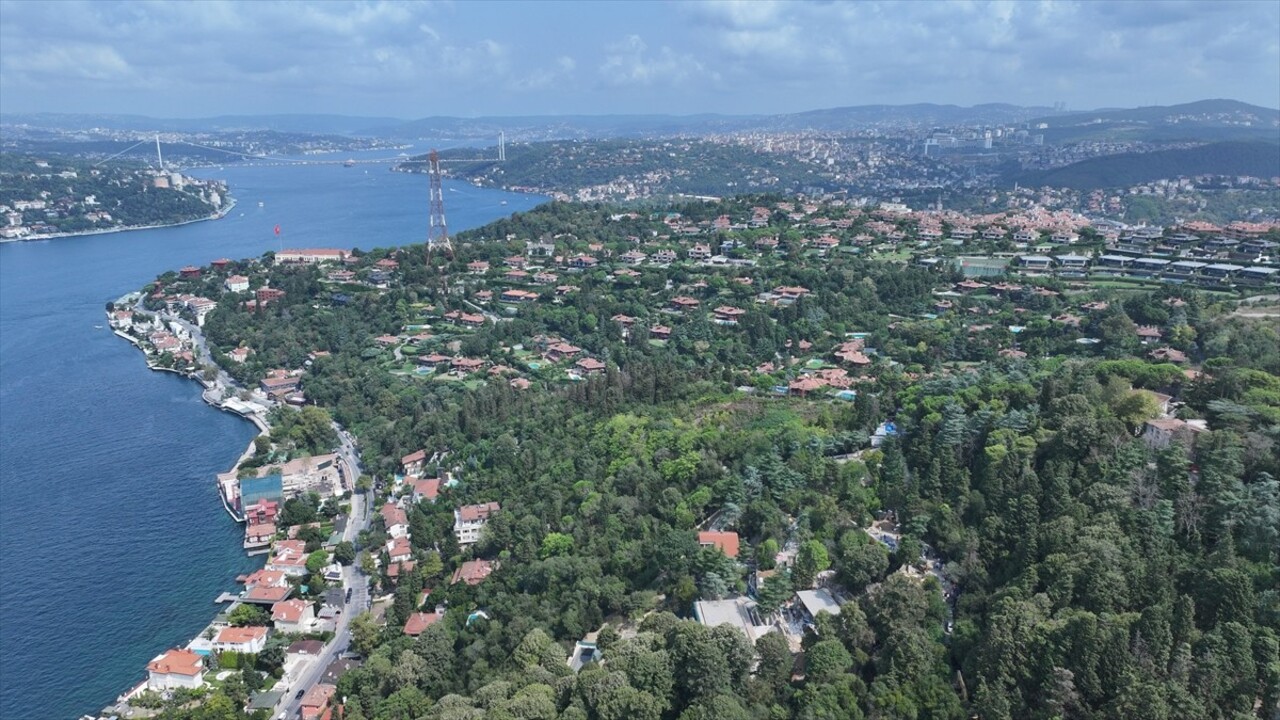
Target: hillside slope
<point>1259,159</point>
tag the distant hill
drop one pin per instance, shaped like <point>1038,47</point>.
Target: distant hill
<point>1208,120</point>
<point>567,127</point>
<point>1259,159</point>
<point>295,123</point>
<point>917,114</point>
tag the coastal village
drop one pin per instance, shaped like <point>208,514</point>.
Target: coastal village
<point>1018,284</point>
<point>42,199</point>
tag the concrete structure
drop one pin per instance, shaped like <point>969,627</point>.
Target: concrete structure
<point>740,613</point>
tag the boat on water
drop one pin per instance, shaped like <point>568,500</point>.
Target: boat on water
<point>349,163</point>
<point>504,202</point>
<point>261,204</point>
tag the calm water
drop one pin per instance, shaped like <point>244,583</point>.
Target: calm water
<point>113,543</point>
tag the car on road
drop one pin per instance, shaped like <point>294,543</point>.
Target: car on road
<point>299,694</point>
<point>349,594</point>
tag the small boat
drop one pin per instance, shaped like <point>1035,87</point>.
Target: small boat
<point>261,204</point>
<point>97,327</point>
<point>504,202</point>
<point>349,163</point>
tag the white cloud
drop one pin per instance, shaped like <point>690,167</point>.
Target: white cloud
<point>629,62</point>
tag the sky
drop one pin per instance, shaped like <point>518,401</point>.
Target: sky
<point>469,59</point>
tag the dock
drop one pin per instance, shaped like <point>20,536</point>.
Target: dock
<point>226,597</point>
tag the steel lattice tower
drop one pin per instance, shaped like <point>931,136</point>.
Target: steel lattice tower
<point>438,233</point>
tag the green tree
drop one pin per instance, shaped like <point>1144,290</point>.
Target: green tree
<point>317,560</point>
<point>811,559</point>
<point>344,552</point>
<point>364,633</point>
<point>248,614</point>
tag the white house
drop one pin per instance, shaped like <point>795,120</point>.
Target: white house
<point>396,520</point>
<point>175,669</point>
<point>251,639</point>
<point>289,557</point>
<point>293,616</point>
<point>469,519</point>
<point>237,283</point>
<point>399,549</point>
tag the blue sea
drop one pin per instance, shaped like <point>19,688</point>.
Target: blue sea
<point>113,543</point>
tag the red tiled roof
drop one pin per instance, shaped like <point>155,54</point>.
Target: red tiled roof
<point>727,542</point>
<point>177,662</point>
<point>473,572</point>
<point>420,621</point>
<point>239,635</point>
<point>288,610</point>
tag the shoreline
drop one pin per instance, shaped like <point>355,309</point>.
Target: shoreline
<point>221,213</point>
<point>134,299</point>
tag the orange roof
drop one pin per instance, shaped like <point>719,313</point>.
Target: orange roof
<point>239,635</point>
<point>177,662</point>
<point>473,572</point>
<point>288,610</point>
<point>319,695</point>
<point>472,513</point>
<point>418,622</point>
<point>726,542</point>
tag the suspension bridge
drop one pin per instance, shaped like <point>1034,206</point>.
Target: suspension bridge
<point>265,160</point>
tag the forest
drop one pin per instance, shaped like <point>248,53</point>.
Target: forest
<point>1054,559</point>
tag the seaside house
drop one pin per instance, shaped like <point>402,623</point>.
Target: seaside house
<point>316,473</point>
<point>289,557</point>
<point>292,616</point>
<point>266,587</point>
<point>175,669</point>
<point>249,639</point>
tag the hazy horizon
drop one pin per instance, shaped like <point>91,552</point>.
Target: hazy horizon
<point>401,60</point>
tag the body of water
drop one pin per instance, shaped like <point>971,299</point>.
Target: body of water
<point>113,542</point>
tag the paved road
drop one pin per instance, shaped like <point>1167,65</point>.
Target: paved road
<point>352,578</point>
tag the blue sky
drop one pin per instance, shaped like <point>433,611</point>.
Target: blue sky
<point>190,59</point>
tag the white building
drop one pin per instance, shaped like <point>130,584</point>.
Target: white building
<point>251,639</point>
<point>293,616</point>
<point>175,669</point>
<point>469,519</point>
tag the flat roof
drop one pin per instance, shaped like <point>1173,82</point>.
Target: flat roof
<point>819,600</point>
<point>1260,270</point>
<point>738,612</point>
